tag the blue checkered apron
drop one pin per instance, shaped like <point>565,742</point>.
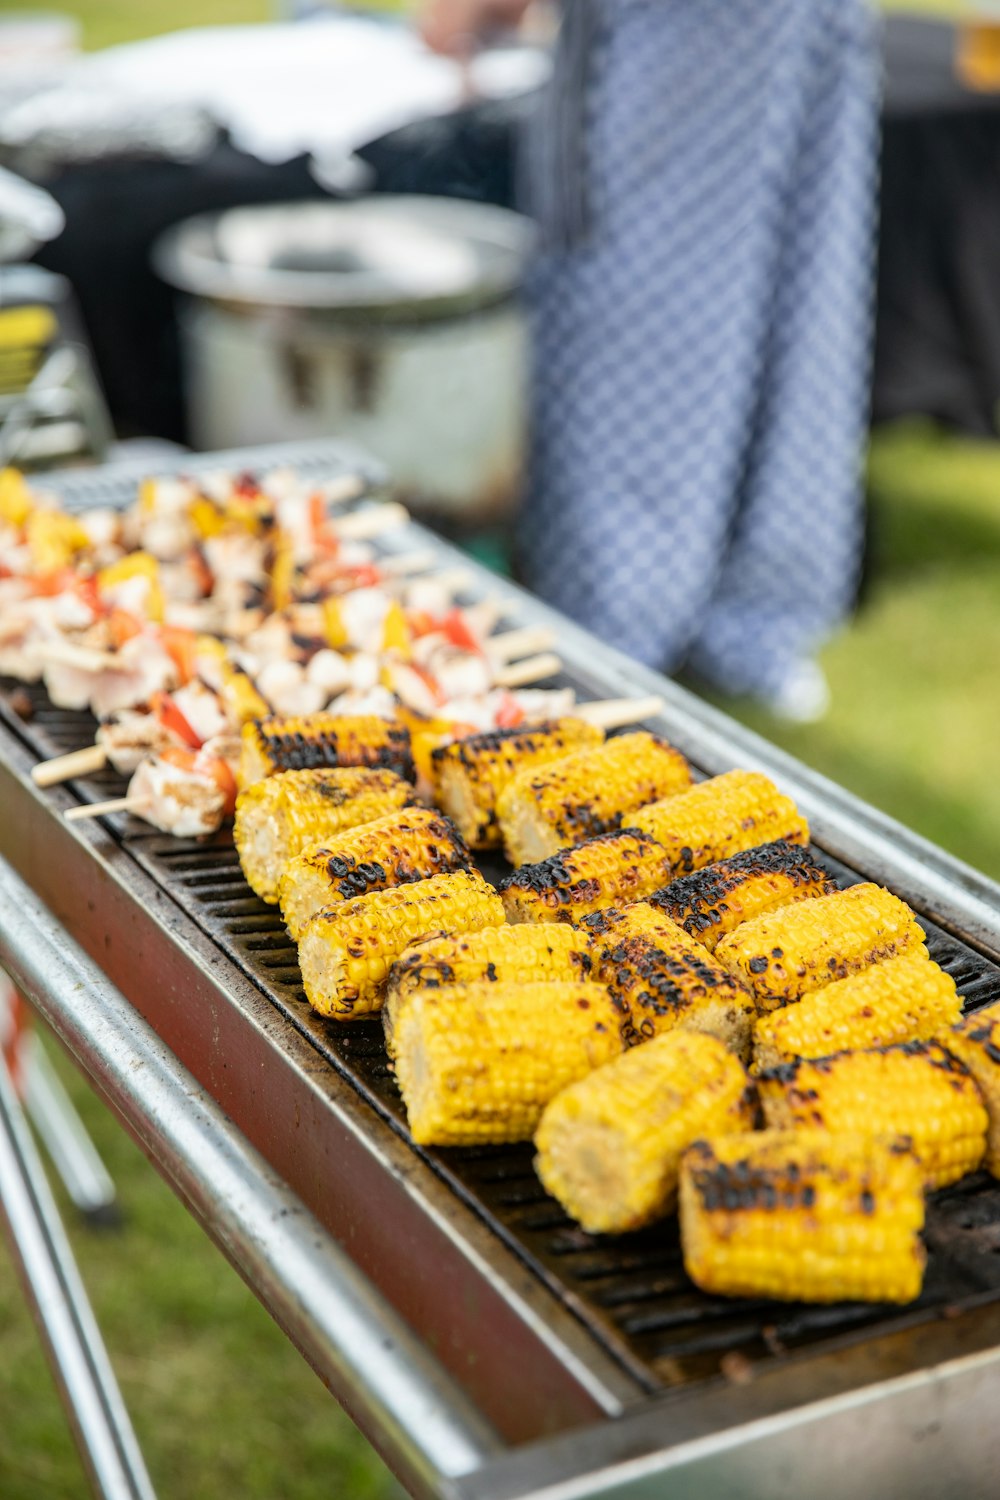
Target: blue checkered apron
<point>702,351</point>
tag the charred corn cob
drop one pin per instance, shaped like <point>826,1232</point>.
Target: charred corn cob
<point>915,1092</point>
<point>720,817</point>
<point>666,979</point>
<point>480,1063</point>
<point>976,1044</point>
<point>711,902</point>
<point>610,1145</point>
<point>592,791</point>
<point>394,850</point>
<point>904,999</point>
<point>298,744</point>
<point>276,819</point>
<point>802,1216</point>
<point>346,953</point>
<point>610,870</point>
<point>786,953</point>
<point>525,954</point>
<point>470,774</point>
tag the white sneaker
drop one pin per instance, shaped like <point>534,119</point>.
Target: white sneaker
<point>803,697</point>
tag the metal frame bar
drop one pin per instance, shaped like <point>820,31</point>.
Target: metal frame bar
<point>76,1352</point>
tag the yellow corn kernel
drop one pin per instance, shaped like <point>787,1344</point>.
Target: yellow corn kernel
<point>345,953</point>
<point>542,810</point>
<point>480,1063</point>
<point>711,902</point>
<point>279,817</point>
<point>469,774</point>
<point>610,1145</point>
<point>720,817</point>
<point>525,954</point>
<point>976,1044</point>
<point>802,1216</point>
<point>915,1092</point>
<point>610,870</point>
<point>300,743</point>
<point>666,979</point>
<point>394,850</point>
<point>903,999</point>
<point>787,953</point>
<point>240,697</point>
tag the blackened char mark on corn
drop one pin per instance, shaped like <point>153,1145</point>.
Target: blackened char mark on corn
<point>294,751</point>
<point>694,900</point>
<point>517,740</point>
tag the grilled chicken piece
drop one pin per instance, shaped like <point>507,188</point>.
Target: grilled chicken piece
<point>784,954</point>
<point>914,1092</point>
<point>479,1064</point>
<point>610,1146</point>
<point>345,953</point>
<point>711,902</point>
<point>587,793</point>
<point>802,1216</point>
<point>186,803</point>
<point>610,870</point>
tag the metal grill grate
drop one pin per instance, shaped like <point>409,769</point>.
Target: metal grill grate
<point>632,1293</point>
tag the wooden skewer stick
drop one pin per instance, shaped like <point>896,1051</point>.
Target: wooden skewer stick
<point>530,669</point>
<point>64,767</point>
<point>406,564</point>
<point>374,520</point>
<point>512,643</point>
<point>113,805</point>
<point>342,489</point>
<point>450,580</point>
<point>615,713</point>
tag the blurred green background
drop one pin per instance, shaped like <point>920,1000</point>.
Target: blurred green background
<point>222,1404</point>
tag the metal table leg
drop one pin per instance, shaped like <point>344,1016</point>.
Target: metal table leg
<point>66,1321</point>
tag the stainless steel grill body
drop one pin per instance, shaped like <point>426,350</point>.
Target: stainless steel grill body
<point>549,1330</point>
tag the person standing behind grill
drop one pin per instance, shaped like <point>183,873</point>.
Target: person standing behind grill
<point>704,174</point>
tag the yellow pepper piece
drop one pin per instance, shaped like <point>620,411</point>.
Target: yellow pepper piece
<point>206,518</point>
<point>283,574</point>
<point>395,630</point>
<point>333,624</point>
<point>136,565</point>
<point>53,537</point>
<point>15,498</point>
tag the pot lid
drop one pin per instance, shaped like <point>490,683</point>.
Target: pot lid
<point>387,253</point>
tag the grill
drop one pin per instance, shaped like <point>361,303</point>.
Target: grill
<point>610,1325</point>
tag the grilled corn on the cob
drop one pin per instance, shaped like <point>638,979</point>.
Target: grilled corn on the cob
<point>524,954</point>
<point>470,774</point>
<point>610,1145</point>
<point>786,953</point>
<point>915,1092</point>
<point>542,810</point>
<point>610,870</point>
<point>480,1063</point>
<point>976,1044</point>
<point>720,817</point>
<point>276,819</point>
<point>394,850</point>
<point>711,902</point>
<point>802,1216</point>
<point>666,979</point>
<point>904,999</point>
<point>304,743</point>
<point>345,954</point>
